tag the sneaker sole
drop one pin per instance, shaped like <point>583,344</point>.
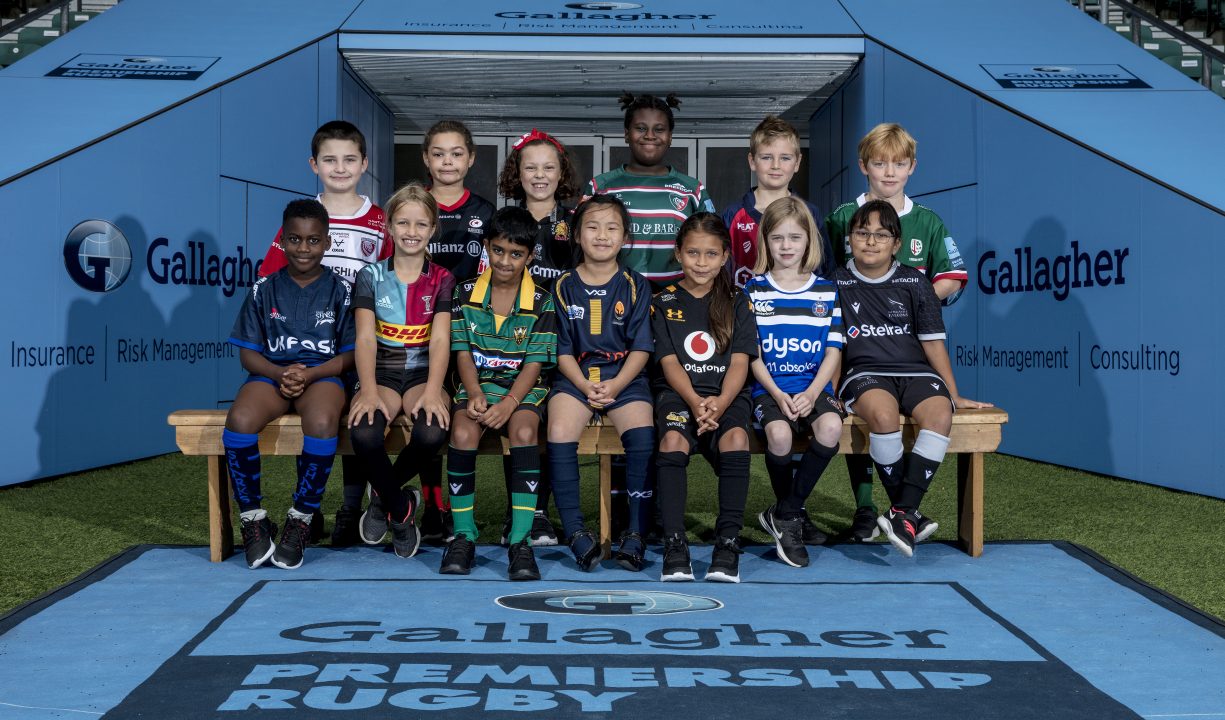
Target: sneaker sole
<point>283,565</point>
<point>525,576</point>
<point>361,531</point>
<point>778,544</point>
<point>267,556</point>
<point>416,545</point>
<point>454,570</point>
<point>720,576</point>
<point>678,577</point>
<point>927,532</point>
<point>896,541</point>
<point>543,541</point>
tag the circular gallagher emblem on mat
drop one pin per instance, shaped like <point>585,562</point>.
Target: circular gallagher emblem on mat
<point>608,602</point>
<point>603,6</point>
<point>97,256</point>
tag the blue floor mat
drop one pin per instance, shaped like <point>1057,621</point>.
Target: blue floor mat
<point>1029,630</point>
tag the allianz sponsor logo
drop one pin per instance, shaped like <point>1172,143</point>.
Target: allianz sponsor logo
<point>877,330</point>
<point>781,347</point>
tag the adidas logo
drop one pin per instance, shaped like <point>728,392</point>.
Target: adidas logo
<point>455,488</point>
<point>384,302</point>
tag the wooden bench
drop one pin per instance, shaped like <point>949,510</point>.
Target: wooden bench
<point>198,432</point>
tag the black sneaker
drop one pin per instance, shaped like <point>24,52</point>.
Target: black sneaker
<point>373,525</point>
<point>543,534</point>
<point>812,534</point>
<point>586,550</point>
<point>257,540</point>
<point>344,529</point>
<point>900,529</point>
<point>459,556</point>
<point>630,554</point>
<point>925,528</point>
<point>435,525</point>
<point>522,561</point>
<point>294,539</point>
<point>863,525</point>
<point>676,560</point>
<point>788,537</point>
<point>405,537</point>
<point>725,561</point>
<point>318,526</point>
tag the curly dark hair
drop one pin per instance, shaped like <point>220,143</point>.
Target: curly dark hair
<point>630,103</point>
<point>509,185</point>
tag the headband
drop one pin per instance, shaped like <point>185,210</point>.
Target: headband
<point>535,135</point>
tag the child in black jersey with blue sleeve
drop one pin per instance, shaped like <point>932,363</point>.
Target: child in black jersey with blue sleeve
<point>894,359</point>
<point>295,337</point>
<point>603,344</point>
<point>705,336</point>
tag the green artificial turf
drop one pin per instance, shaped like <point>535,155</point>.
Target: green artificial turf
<point>55,530</point>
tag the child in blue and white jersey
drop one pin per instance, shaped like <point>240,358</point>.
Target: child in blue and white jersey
<point>295,336</point>
<point>799,327</point>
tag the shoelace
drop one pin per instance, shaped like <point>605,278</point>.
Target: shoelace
<point>298,532</point>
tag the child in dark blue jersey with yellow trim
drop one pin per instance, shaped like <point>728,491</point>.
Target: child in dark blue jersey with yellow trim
<point>603,344</point>
<point>295,337</point>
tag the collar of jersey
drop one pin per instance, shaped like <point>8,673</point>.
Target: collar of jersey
<point>907,206</point>
<point>458,203</point>
<point>850,265</point>
<point>527,290</point>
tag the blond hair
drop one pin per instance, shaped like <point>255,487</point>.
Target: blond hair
<point>771,129</point>
<point>779,212</point>
<point>887,141</point>
<point>413,192</point>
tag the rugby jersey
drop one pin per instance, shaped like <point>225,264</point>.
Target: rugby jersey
<point>886,321</point>
<point>527,335</point>
<point>742,220</point>
<point>927,244</point>
<point>456,244</point>
<point>794,329</point>
<point>403,313</point>
<point>553,254</point>
<point>357,241</point>
<point>290,324</point>
<point>657,205</point>
<point>601,324</point>
<point>681,326</point>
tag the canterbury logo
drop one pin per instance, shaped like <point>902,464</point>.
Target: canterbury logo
<point>455,488</point>
<point>532,485</point>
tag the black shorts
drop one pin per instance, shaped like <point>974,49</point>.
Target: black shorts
<point>766,411</point>
<point>538,409</point>
<point>908,390</point>
<point>636,391</point>
<point>672,413</point>
<point>399,379</point>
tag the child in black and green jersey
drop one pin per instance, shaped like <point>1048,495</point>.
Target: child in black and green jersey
<point>504,334</point>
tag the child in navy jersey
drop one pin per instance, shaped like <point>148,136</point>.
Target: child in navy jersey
<point>296,338</point>
<point>603,344</point>
<point>402,314</point>
<point>895,360</point>
<point>799,327</point>
<point>704,339</point>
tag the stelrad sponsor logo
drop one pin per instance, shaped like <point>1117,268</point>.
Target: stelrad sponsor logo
<point>780,347</point>
<point>878,330</point>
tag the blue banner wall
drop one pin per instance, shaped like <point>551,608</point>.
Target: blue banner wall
<point>1081,317</point>
<point>183,206</point>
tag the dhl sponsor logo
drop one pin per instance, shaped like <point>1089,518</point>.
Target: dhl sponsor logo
<point>407,334</point>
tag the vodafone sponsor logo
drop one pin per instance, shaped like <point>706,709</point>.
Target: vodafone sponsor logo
<point>699,345</point>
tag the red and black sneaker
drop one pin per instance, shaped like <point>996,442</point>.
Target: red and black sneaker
<point>899,527</point>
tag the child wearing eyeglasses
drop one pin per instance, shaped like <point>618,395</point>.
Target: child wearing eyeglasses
<point>894,359</point>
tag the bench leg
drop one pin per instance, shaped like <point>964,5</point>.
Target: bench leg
<point>220,529</point>
<point>606,505</point>
<point>970,502</point>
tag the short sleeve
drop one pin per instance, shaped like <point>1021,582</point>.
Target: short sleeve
<point>248,331</point>
<point>659,329</point>
<point>542,345</point>
<point>835,338</point>
<point>638,329</point>
<point>929,324</point>
<point>446,291</point>
<point>459,325</point>
<point>363,290</point>
<point>744,334</point>
<point>346,328</point>
<point>565,344</point>
<point>704,200</point>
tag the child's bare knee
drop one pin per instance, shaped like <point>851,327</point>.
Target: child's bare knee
<point>673,441</point>
<point>779,439</point>
<point>828,430</point>
<point>734,440</point>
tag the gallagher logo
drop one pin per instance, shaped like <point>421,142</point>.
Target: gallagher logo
<point>608,602</point>
<point>603,6</point>
<point>97,256</point>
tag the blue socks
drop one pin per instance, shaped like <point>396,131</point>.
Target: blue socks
<point>563,466</point>
<point>639,443</point>
<point>314,467</point>
<point>242,457</point>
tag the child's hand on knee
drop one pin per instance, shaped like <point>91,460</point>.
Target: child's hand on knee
<point>435,406</point>
<point>497,415</point>
<point>364,405</point>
